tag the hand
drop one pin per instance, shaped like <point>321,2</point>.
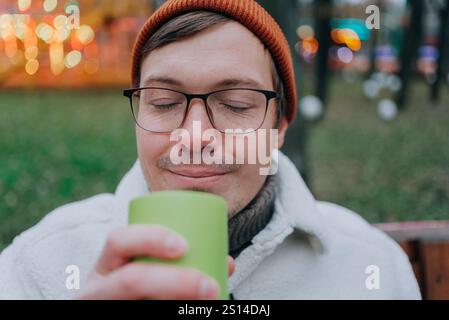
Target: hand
<point>115,277</point>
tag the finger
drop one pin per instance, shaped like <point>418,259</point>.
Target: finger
<point>154,281</point>
<point>231,266</point>
<point>139,240</point>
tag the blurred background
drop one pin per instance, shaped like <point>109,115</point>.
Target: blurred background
<point>372,133</point>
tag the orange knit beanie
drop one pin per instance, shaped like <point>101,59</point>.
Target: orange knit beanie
<point>247,12</point>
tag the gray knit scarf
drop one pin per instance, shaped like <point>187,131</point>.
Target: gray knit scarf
<point>247,223</point>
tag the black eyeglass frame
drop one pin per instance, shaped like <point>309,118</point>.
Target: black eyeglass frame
<point>269,95</point>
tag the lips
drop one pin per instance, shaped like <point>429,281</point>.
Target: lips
<point>197,178</point>
<point>197,172</point>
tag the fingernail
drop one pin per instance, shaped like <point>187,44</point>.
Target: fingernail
<point>175,245</point>
<point>208,289</point>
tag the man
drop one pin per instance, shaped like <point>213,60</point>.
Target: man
<point>222,64</point>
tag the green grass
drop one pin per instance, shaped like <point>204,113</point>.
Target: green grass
<point>59,147</point>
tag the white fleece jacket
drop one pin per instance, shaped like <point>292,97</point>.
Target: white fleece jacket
<point>309,250</point>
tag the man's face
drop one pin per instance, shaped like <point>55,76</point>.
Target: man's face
<point>200,64</point>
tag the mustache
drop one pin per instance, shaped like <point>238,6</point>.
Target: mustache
<point>166,163</point>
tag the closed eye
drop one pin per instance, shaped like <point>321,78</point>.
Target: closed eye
<point>167,106</point>
<point>236,109</point>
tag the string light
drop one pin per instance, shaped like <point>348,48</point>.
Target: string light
<point>21,40</point>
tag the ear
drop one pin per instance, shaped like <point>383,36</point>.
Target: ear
<point>283,125</point>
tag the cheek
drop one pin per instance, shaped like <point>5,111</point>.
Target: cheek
<point>150,148</point>
<point>250,182</point>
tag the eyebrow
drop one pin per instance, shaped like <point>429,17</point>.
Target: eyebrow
<point>224,83</point>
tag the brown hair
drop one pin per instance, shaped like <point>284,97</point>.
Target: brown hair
<point>192,23</point>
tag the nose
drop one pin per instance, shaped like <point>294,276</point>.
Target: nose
<point>196,122</point>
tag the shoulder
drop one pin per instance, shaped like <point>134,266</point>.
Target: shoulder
<point>368,243</point>
<point>347,223</point>
<point>69,235</point>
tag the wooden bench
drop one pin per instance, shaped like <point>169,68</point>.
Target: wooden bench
<point>427,246</point>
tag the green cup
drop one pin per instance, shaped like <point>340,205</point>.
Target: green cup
<point>201,218</point>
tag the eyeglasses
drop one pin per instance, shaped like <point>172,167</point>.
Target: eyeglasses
<point>162,110</point>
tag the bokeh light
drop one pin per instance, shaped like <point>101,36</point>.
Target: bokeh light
<point>21,29</point>
<point>17,58</point>
<point>50,5</point>
<point>62,34</point>
<point>305,32</point>
<point>85,34</point>
<point>31,52</point>
<point>6,29</point>
<point>347,37</point>
<point>44,32</point>
<point>60,22</point>
<point>56,58</point>
<point>11,48</point>
<point>32,66</point>
<point>24,5</point>
<point>345,55</point>
<point>72,59</point>
<point>43,44</point>
<point>310,45</point>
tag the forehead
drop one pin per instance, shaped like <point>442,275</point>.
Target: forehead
<point>225,51</point>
